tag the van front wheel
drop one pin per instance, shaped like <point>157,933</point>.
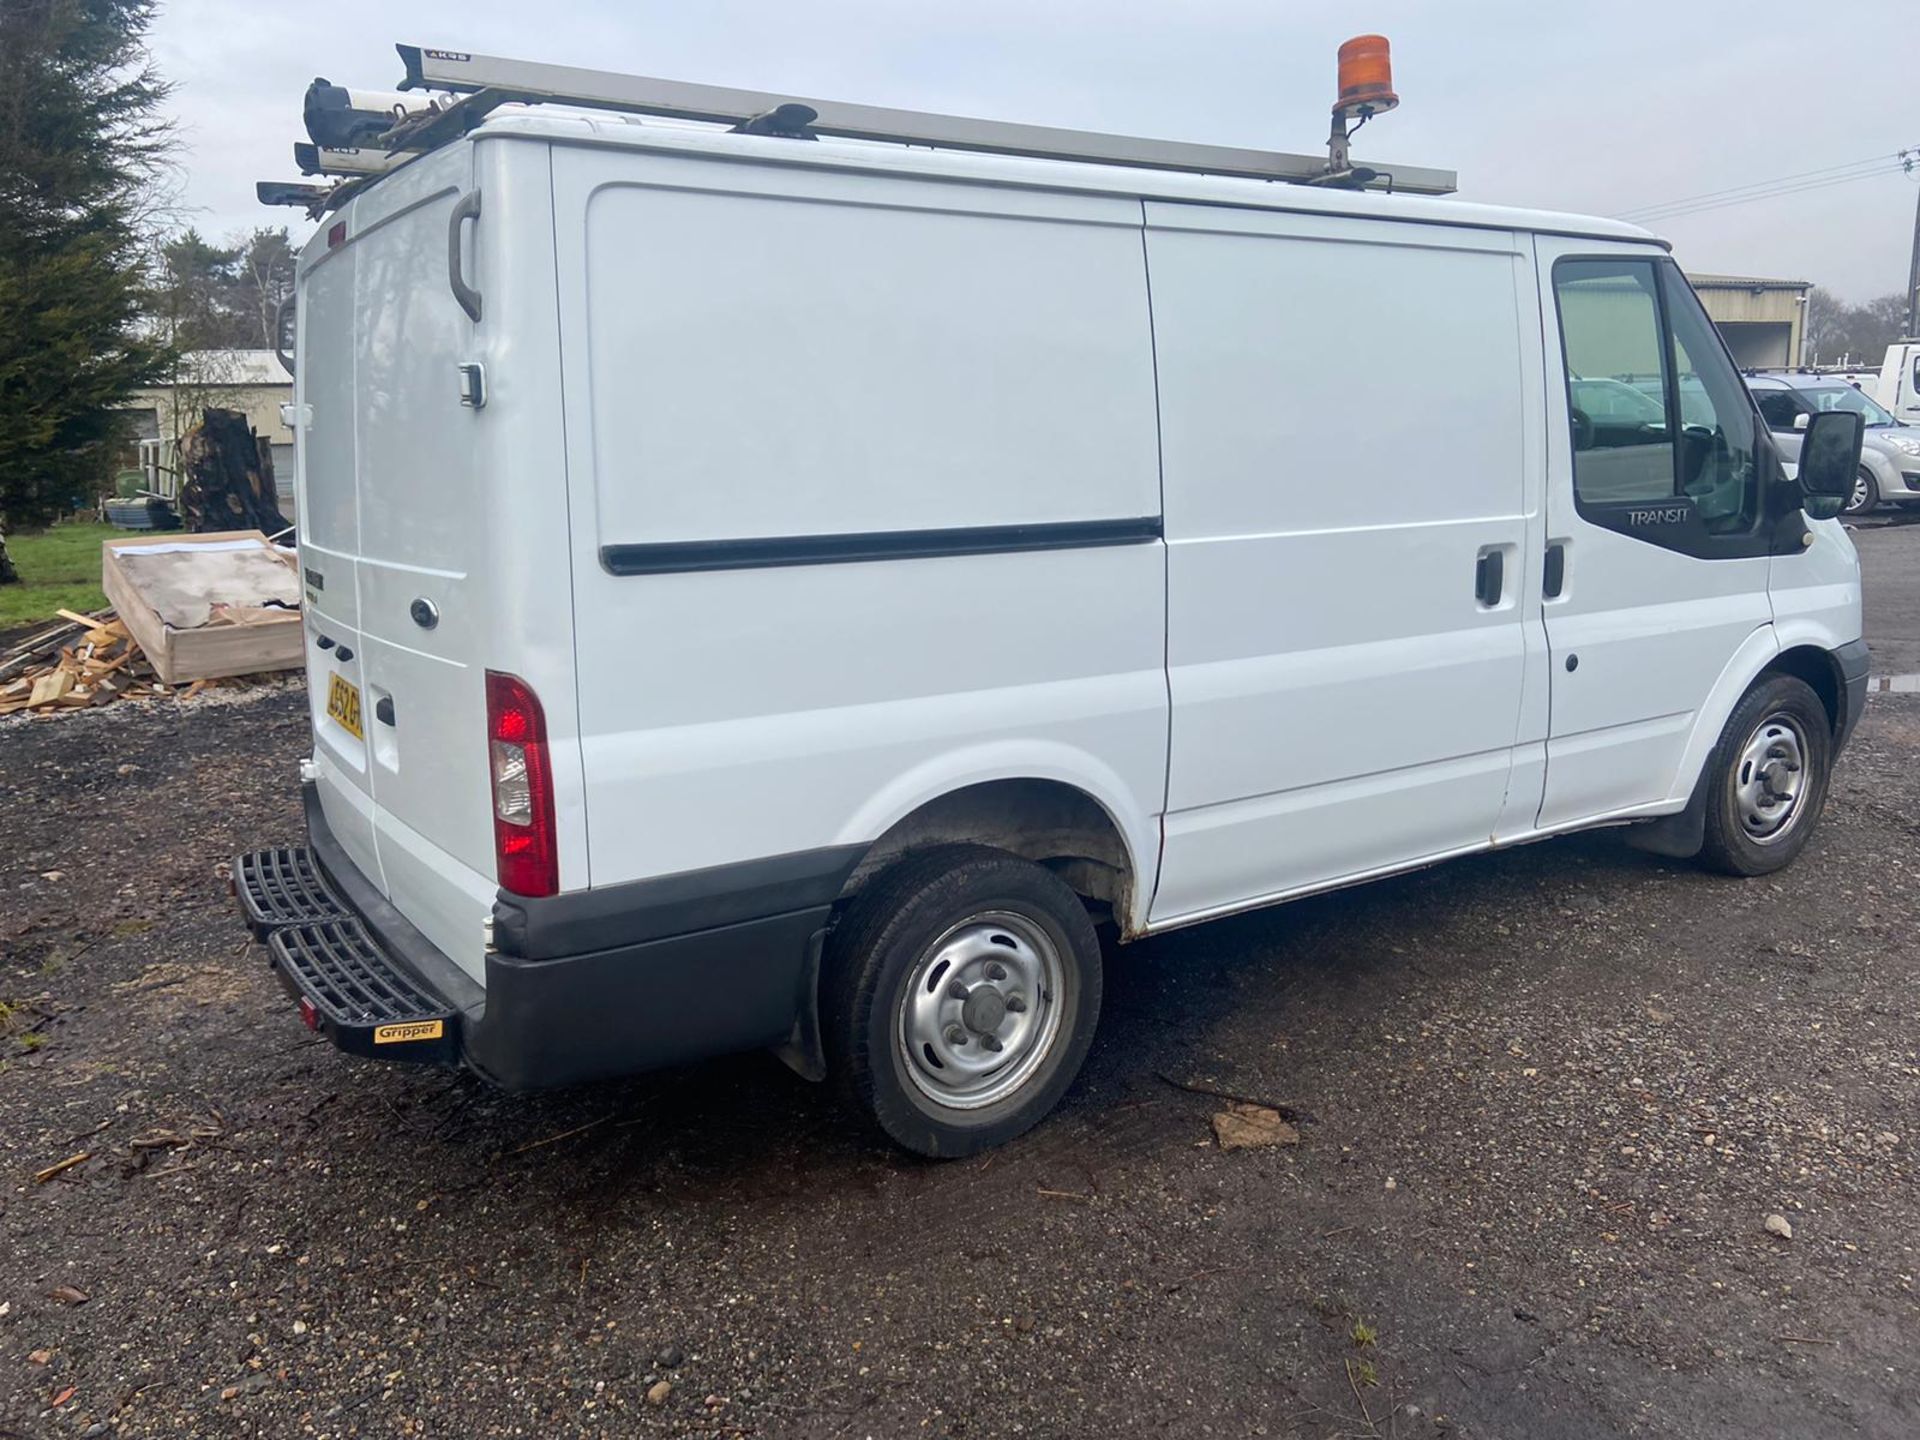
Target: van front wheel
<point>1769,778</point>
<point>960,996</point>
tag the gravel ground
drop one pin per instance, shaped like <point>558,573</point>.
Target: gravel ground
<point>1889,545</point>
<point>1551,1098</point>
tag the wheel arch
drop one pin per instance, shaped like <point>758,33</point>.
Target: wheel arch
<point>1747,663</point>
<point>1680,830</point>
<point>1821,672</point>
<point>1886,474</point>
<point>1060,823</point>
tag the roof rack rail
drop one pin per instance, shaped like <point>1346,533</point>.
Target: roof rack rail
<point>316,200</point>
<point>486,82</point>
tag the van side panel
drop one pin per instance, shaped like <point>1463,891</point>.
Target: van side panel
<point>847,368</point>
<point>1342,408</point>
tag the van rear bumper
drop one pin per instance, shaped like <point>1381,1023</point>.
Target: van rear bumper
<point>603,982</point>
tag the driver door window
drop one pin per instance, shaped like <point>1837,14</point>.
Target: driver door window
<point>1663,429</point>
<point>1617,391</point>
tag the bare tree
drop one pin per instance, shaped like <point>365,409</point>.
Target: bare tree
<point>265,277</point>
<point>1838,332</point>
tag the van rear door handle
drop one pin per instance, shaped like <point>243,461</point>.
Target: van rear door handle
<point>467,208</point>
<point>1489,578</point>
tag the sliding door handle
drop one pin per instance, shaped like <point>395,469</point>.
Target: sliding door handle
<point>1490,578</point>
<point>1553,578</point>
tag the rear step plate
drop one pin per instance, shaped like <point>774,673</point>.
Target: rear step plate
<point>281,887</point>
<point>361,1000</point>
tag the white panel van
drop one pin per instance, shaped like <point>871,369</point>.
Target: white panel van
<point>802,595</point>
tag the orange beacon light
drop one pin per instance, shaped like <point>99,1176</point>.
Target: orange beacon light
<point>1366,77</point>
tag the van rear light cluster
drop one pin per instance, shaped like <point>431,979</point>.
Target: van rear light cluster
<point>526,855</point>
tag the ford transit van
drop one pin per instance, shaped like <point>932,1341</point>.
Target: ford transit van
<point>802,595</point>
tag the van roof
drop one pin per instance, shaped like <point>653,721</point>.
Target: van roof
<point>561,126</point>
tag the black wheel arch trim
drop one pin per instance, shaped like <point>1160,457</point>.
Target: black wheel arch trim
<point>1854,662</point>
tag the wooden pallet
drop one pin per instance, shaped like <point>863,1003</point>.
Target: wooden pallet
<point>237,639</point>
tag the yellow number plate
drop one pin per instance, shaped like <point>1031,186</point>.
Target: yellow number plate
<point>412,1030</point>
<point>343,705</point>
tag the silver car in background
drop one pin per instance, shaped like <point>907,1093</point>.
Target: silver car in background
<point>1889,457</point>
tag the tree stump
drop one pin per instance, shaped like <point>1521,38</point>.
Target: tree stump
<point>228,484</point>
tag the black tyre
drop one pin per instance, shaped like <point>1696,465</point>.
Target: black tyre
<point>1865,496</point>
<point>1767,778</point>
<point>960,994</point>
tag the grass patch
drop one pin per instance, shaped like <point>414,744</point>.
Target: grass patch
<point>59,569</point>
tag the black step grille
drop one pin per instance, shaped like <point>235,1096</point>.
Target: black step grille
<point>281,887</point>
<point>336,965</point>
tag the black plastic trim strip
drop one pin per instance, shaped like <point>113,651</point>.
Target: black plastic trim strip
<point>636,911</point>
<point>1853,660</point>
<point>680,557</point>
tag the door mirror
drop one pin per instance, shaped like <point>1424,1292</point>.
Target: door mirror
<point>1830,460</point>
<point>1800,420</point>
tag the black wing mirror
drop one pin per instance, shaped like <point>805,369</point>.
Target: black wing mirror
<point>1829,461</point>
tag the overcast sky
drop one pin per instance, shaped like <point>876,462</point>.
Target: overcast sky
<point>1601,108</point>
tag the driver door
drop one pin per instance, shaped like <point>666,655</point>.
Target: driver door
<point>1657,544</point>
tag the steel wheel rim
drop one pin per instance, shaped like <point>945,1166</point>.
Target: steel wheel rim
<point>1862,490</point>
<point>1770,779</point>
<point>996,979</point>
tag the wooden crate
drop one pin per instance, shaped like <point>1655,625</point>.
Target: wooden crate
<point>238,640</point>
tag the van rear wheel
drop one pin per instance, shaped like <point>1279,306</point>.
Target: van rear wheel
<point>960,996</point>
<point>1769,778</point>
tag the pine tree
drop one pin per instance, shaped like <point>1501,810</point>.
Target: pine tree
<point>80,150</point>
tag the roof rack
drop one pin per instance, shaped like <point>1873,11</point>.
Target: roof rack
<point>486,82</point>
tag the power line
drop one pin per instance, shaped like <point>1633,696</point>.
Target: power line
<point>1782,185</point>
<point>1762,184</point>
<point>1677,212</point>
<point>1671,211</point>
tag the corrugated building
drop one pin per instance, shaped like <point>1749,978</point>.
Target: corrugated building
<point>1762,320</point>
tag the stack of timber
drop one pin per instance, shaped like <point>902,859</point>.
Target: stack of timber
<point>86,660</point>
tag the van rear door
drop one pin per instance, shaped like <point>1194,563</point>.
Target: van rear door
<point>328,515</point>
<point>392,526</point>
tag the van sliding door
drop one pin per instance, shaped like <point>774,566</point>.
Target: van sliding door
<point>1344,441</point>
